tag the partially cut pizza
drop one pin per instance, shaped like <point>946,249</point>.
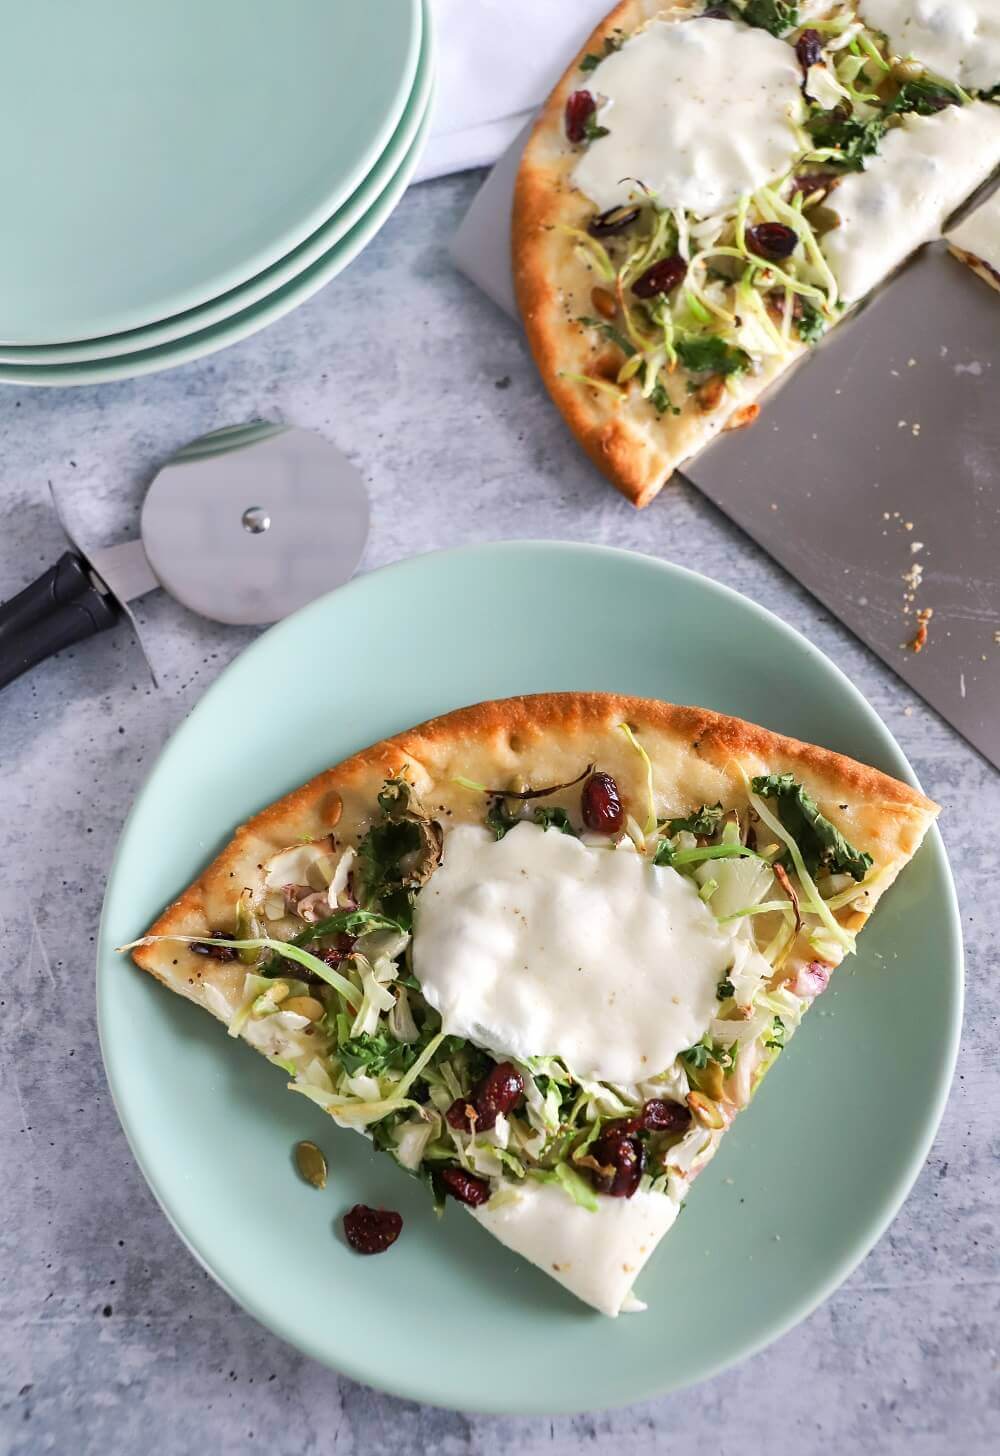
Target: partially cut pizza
<point>976,241</point>
<point>710,187</point>
<point>542,951</point>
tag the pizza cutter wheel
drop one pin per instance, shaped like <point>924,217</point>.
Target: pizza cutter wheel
<point>244,526</point>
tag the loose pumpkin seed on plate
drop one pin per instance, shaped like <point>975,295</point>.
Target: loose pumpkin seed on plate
<point>311,1163</point>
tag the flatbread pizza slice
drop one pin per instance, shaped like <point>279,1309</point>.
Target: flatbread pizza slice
<point>706,191</point>
<point>976,241</point>
<point>542,951</point>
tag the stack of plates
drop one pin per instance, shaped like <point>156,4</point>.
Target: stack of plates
<point>177,174</point>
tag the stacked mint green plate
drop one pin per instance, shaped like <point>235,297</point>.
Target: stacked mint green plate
<point>192,172</point>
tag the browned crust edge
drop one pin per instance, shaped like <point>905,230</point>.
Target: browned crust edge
<point>512,727</point>
<point>638,457</point>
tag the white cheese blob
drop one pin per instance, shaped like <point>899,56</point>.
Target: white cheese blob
<point>700,111</point>
<point>924,169</point>
<point>537,945</point>
<point>959,39</point>
<point>596,1256</point>
<point>979,234</point>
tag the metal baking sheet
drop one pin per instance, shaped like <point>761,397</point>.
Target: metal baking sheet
<point>872,472</point>
<point>872,476</point>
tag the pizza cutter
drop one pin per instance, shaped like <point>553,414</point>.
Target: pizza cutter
<point>244,526</point>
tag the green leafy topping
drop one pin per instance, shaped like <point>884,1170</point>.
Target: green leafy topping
<point>705,1051</point>
<point>398,854</point>
<point>708,353</point>
<point>725,989</point>
<point>854,140</point>
<point>499,819</point>
<point>661,401</point>
<point>610,332</point>
<point>777,1037</point>
<point>375,1054</point>
<point>820,842</point>
<point>578,1188</point>
<point>592,128</point>
<point>664,853</point>
<point>704,821</point>
<point>925,97</point>
<point>810,323</point>
<point>555,818</point>
<point>777,16</point>
<point>346,922</point>
<point>591,61</point>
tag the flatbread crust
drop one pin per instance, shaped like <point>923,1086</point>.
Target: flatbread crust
<point>979,266</point>
<point>637,450</point>
<point>697,756</point>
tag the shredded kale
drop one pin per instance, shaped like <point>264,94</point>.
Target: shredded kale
<point>708,353</point>
<point>664,853</point>
<point>810,323</point>
<point>376,1054</point>
<point>925,97</point>
<point>610,332</point>
<point>704,821</point>
<point>820,842</point>
<point>612,43</point>
<point>498,819</point>
<point>705,1051</point>
<point>398,854</point>
<point>777,16</point>
<point>555,818</point>
<point>854,140</point>
<point>661,401</point>
<point>345,922</point>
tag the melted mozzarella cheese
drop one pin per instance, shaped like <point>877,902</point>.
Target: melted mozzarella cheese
<point>699,111</point>
<point>959,39</point>
<point>925,168</point>
<point>596,1256</point>
<point>537,945</point>
<point>979,234</point>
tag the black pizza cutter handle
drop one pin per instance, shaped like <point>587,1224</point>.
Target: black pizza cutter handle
<point>62,607</point>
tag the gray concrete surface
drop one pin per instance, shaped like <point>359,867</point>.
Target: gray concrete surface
<point>112,1340</point>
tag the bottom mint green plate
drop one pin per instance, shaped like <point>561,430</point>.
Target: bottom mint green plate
<point>804,1184</point>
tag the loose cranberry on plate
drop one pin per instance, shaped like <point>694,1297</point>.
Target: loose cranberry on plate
<point>371,1230</point>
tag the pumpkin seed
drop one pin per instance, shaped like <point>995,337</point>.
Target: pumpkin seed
<point>311,1164</point>
<point>306,1006</point>
<point>705,1110</point>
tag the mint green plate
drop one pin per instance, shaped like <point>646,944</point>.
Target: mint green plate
<point>161,152</point>
<point>804,1184</point>
<point>383,174</point>
<point>248,320</point>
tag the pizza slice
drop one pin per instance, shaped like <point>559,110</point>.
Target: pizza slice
<point>976,241</point>
<point>706,191</point>
<point>542,951</point>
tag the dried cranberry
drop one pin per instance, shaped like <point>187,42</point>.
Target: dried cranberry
<point>809,48</point>
<point>579,108</point>
<point>457,1115</point>
<point>371,1230</point>
<point>498,1092</point>
<point>602,805</point>
<point>661,278</point>
<point>211,948</point>
<point>772,240</point>
<point>659,1116</point>
<point>466,1187</point>
<point>340,950</point>
<point>624,1156</point>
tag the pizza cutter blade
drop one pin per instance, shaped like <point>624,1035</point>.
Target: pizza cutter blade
<point>244,526</point>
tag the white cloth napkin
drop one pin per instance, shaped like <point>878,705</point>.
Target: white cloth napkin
<point>496,62</point>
